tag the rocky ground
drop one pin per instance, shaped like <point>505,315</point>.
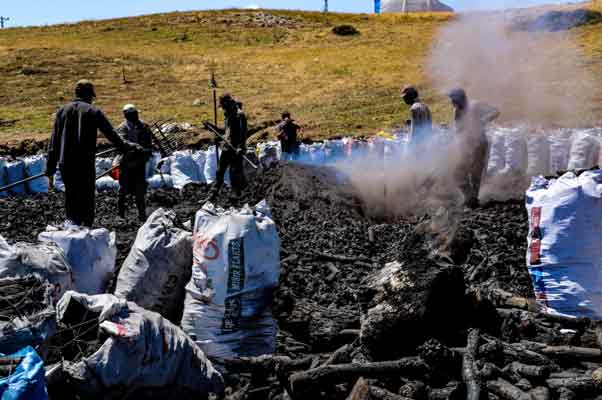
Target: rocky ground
<point>419,307</point>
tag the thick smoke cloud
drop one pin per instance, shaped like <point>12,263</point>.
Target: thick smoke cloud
<point>538,78</point>
<point>419,181</point>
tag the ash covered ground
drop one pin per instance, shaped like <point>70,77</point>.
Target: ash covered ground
<point>328,305</point>
<point>323,227</point>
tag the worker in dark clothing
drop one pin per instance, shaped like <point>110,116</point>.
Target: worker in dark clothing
<point>287,134</point>
<point>235,133</point>
<point>470,121</point>
<point>421,122</point>
<point>72,149</point>
<point>132,167</point>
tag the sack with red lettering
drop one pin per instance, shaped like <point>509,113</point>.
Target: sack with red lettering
<point>158,267</point>
<point>236,267</point>
<point>564,255</point>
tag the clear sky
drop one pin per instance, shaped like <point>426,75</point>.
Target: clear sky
<point>41,12</point>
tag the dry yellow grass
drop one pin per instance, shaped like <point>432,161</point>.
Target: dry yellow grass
<point>333,85</point>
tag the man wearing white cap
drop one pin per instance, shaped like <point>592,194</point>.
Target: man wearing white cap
<point>132,170</point>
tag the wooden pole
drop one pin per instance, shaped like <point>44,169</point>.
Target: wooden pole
<point>213,85</point>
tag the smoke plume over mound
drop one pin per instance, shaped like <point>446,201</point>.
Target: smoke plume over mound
<point>531,77</point>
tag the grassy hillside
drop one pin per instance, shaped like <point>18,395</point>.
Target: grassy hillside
<point>333,85</point>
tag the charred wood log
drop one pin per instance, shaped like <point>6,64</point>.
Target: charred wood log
<point>573,353</point>
<point>507,391</point>
<point>319,326</point>
<point>566,394</point>
<point>417,301</point>
<point>470,373</point>
<point>528,371</point>
<point>342,356</point>
<point>304,383</point>
<point>583,385</point>
<point>413,390</point>
<point>540,393</point>
<point>266,364</point>
<point>453,391</point>
<point>362,390</point>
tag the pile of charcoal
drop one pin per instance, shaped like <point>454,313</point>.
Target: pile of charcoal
<point>420,307</point>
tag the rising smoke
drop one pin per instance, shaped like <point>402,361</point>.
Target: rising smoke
<point>420,181</point>
<point>538,78</point>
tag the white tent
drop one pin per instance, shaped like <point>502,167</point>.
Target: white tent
<point>414,6</point>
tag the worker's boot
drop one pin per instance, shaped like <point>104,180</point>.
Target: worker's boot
<point>121,206</point>
<point>141,206</point>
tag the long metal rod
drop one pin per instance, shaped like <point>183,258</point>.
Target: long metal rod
<point>43,174</point>
<point>21,182</point>
<point>107,172</point>
<point>213,129</point>
<point>108,151</point>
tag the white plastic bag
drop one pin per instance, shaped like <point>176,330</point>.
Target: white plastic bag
<point>107,184</point>
<point>103,165</point>
<point>564,254</point>
<point>15,172</point>
<point>539,159</point>
<point>210,169</point>
<point>585,149</point>
<point>560,148</point>
<point>199,159</point>
<point>516,153</point>
<point>184,169</point>
<point>159,181</point>
<point>497,154</point>
<point>34,166</point>
<point>158,267</point>
<point>91,254</point>
<point>46,261</point>
<point>151,165</point>
<point>145,353</point>
<point>236,269</point>
<point>317,155</point>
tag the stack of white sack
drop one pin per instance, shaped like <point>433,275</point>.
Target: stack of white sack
<point>235,272</point>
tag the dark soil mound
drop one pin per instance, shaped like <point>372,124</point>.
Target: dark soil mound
<point>555,21</point>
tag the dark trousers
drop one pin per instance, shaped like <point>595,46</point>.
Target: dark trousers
<point>80,192</point>
<point>229,158</point>
<point>132,183</point>
<point>471,172</point>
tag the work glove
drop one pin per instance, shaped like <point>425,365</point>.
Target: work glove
<point>240,152</point>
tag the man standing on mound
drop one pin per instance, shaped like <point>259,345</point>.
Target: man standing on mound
<point>72,149</point>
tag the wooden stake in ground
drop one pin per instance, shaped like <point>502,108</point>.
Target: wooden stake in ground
<point>213,87</point>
